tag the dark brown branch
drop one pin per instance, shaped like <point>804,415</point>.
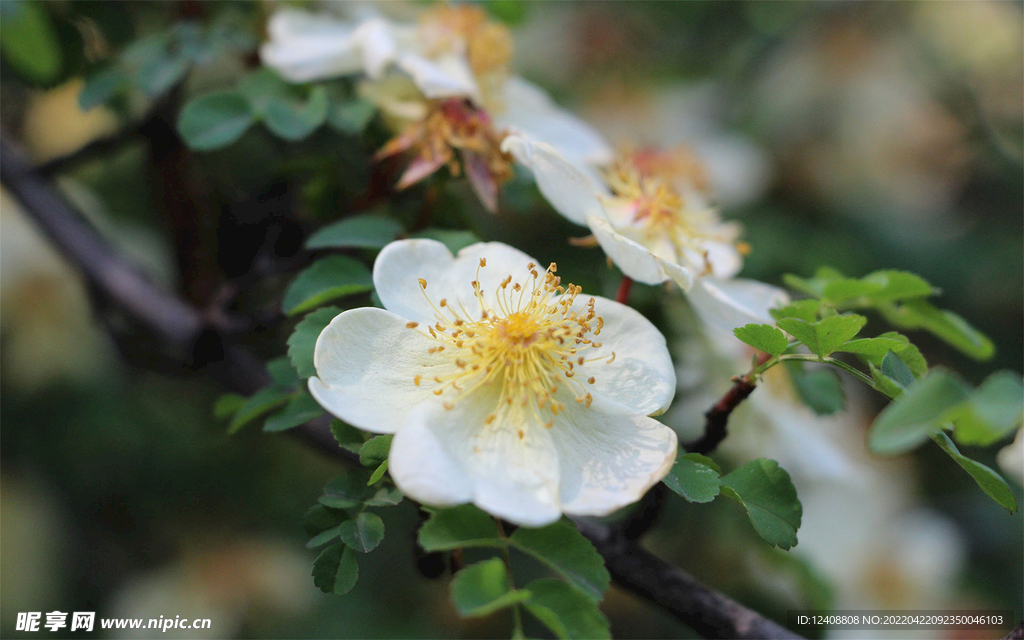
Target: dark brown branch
<point>717,417</point>
<point>173,321</point>
<point>706,611</point>
<point>184,328</point>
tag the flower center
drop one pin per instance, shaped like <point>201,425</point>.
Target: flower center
<point>465,29</point>
<point>647,184</point>
<point>530,343</point>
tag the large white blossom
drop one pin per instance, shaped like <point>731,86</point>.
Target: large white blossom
<point>503,387</point>
<point>653,221</point>
<point>452,52</point>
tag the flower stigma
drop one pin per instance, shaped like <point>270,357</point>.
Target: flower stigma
<point>531,343</point>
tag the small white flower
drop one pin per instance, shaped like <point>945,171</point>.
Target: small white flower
<point>453,52</point>
<point>503,387</point>
<point>1011,458</point>
<point>650,215</point>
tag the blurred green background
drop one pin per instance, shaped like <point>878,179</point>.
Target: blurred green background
<point>855,135</point>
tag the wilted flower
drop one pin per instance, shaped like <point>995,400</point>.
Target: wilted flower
<point>651,215</point>
<point>453,56</point>
<point>503,387</point>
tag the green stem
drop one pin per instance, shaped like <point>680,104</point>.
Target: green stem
<point>810,357</point>
<point>517,613</point>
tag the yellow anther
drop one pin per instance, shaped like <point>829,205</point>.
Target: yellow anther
<point>423,283</point>
<point>411,325</point>
<point>444,302</point>
<point>591,379</point>
<point>483,262</point>
<point>416,380</point>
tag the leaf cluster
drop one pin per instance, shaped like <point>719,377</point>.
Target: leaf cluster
<point>568,606</point>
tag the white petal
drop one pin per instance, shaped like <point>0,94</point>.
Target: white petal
<point>528,110</point>
<point>442,77</point>
<point>424,468</point>
<point>725,260</point>
<point>401,264</point>
<point>608,459</point>
<point>366,360</point>
<point>507,469</point>
<point>570,191</point>
<point>304,47</point>
<point>642,378</point>
<point>635,260</point>
<point>728,304</point>
<point>377,45</point>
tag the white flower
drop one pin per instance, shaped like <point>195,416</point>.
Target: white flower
<point>503,388</point>
<point>1011,458</point>
<point>649,214</point>
<point>453,52</point>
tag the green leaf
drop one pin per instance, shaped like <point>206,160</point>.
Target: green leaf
<point>916,414</point>
<point>694,478</point>
<point>303,339</point>
<point>320,519</point>
<point>873,350</point>
<point>884,383</point>
<point>806,310</point>
<point>989,481</point>
<point>259,403</point>
<point>564,549</point>
<point>292,119</point>
<point>363,533</point>
<point>351,116</point>
<point>993,410</point>
<point>300,410</point>
<point>482,588</point>
<point>161,72</point>
<point>378,473</point>
<point>763,337</point>
<point>462,526</point>
<point>322,538</point>
<point>385,497</point>
<point>567,612</point>
<point>325,280</point>
<point>348,437</point>
<point>345,491</point>
<point>813,286</point>
<point>283,373</point>
<point>261,87</point>
<point>227,405</point>
<point>336,569</point>
<point>101,86</point>
<point>766,492</point>
<point>826,335</point>
<point>820,389</point>
<point>455,240</point>
<point>892,285</point>
<point>214,120</point>
<point>364,231</point>
<point>375,450</point>
<point>894,367</point>
<point>29,43</point>
<point>948,326</point>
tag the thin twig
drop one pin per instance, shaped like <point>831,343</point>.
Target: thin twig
<point>717,417</point>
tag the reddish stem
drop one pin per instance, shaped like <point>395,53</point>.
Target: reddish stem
<point>624,287</point>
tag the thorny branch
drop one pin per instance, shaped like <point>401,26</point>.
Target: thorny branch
<point>186,331</point>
